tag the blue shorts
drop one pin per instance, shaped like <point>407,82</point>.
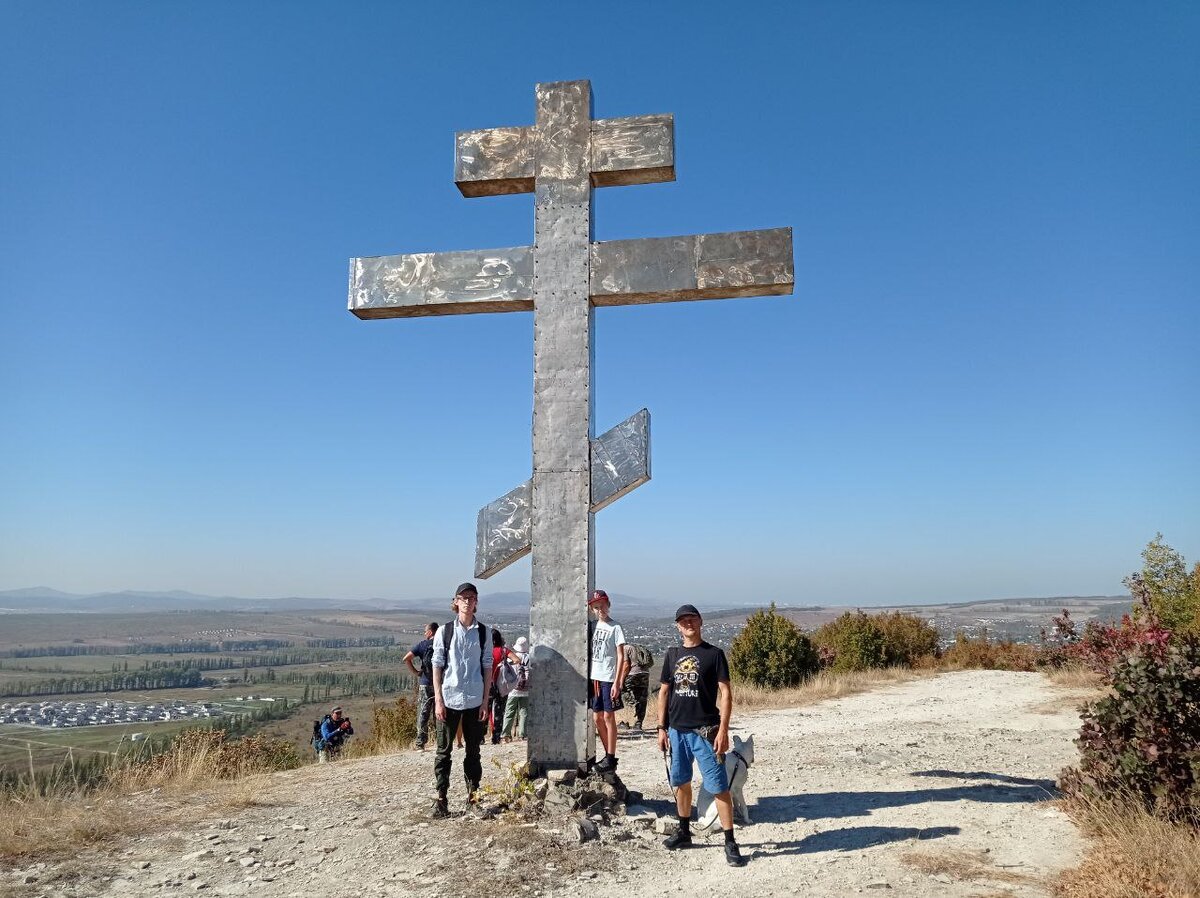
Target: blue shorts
<point>601,697</point>
<point>688,746</point>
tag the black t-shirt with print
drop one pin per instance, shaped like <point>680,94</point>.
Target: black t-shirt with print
<point>693,675</point>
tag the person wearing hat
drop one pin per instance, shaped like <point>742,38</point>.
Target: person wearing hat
<point>607,674</point>
<point>335,729</point>
<point>518,700</point>
<point>462,678</point>
<point>694,707</point>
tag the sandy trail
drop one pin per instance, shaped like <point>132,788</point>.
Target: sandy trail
<point>874,793</point>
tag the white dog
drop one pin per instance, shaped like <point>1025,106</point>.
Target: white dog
<point>737,764</point>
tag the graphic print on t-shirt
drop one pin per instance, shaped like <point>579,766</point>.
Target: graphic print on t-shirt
<point>686,673</point>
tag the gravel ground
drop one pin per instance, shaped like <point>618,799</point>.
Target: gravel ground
<point>936,787</point>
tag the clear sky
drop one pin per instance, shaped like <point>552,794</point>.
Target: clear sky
<point>985,384</point>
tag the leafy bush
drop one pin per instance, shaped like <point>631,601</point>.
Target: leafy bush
<point>771,651</point>
<point>908,641</point>
<point>986,654</point>
<point>1143,740</point>
<point>854,641</point>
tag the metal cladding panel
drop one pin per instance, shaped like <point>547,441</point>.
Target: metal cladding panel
<point>493,280</point>
<point>494,161</point>
<point>502,532</point>
<point>562,580</point>
<point>620,460</point>
<point>639,149</point>
<point>620,463</point>
<point>701,266</point>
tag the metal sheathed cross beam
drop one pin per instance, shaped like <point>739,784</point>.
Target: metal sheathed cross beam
<point>563,278</point>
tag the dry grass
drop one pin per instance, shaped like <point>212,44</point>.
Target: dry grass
<point>824,686</point>
<point>962,865</point>
<point>1076,678</point>
<point>36,826</point>
<point>1133,855</point>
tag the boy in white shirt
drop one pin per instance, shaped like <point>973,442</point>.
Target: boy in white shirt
<point>607,676</point>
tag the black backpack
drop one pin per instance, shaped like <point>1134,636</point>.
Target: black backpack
<point>317,742</point>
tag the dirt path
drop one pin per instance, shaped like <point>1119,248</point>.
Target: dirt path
<point>935,787</point>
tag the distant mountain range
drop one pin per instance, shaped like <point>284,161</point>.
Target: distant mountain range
<point>45,600</point>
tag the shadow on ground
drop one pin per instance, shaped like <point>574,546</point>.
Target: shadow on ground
<point>1049,785</point>
<point>852,838</point>
<point>833,805</point>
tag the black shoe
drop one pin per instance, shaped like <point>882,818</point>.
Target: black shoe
<point>733,857</point>
<point>679,840</point>
<point>608,762</point>
<point>637,725</point>
<point>441,808</point>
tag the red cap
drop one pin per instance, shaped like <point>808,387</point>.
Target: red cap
<point>597,596</point>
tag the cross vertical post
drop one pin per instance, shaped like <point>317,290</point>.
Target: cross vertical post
<point>563,524</point>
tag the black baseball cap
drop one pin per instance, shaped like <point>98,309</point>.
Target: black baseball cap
<point>685,610</point>
<point>465,588</point>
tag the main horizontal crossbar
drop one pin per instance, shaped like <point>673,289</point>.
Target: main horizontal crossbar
<point>623,272</point>
<point>639,149</point>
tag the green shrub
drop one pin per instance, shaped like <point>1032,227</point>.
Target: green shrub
<point>985,654</point>
<point>907,639</point>
<point>1143,740</point>
<point>854,641</point>
<point>771,651</point>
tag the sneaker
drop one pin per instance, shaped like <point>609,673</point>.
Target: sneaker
<point>733,857</point>
<point>608,762</point>
<point>679,840</point>
<point>441,808</point>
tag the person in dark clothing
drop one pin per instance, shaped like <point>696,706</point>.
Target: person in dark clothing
<point>335,729</point>
<point>498,701</point>
<point>638,661</point>
<point>423,652</point>
<point>695,704</point>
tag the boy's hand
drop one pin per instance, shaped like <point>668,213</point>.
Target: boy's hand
<point>663,742</point>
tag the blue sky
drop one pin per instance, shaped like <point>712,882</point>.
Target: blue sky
<point>985,384</point>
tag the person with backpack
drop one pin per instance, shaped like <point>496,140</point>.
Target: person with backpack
<point>333,732</point>
<point>423,652</point>
<point>639,660</point>
<point>462,680</point>
<point>518,699</point>
<point>497,698</point>
<point>606,676</point>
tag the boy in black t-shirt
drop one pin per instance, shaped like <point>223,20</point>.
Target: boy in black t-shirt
<point>423,652</point>
<point>695,705</point>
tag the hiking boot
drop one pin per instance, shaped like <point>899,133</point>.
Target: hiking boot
<point>679,840</point>
<point>733,856</point>
<point>637,725</point>
<point>441,808</point>
<point>606,763</point>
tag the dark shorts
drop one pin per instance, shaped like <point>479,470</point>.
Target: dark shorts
<point>601,698</point>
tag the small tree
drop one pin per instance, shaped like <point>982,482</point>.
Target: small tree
<point>1166,587</point>
<point>771,651</point>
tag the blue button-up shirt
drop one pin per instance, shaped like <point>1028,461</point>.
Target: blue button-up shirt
<point>462,675</point>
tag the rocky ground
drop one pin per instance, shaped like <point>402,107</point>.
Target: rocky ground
<point>936,787</point>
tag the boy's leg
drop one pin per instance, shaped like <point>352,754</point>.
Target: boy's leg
<point>522,713</point>
<point>445,744</point>
<point>610,732</point>
<point>473,731</point>
<point>424,713</point>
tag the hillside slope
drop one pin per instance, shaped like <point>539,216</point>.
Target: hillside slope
<point>936,787</point>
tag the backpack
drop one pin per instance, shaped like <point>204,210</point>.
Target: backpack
<point>642,657</point>
<point>317,742</point>
<point>522,676</point>
<point>507,677</point>
<point>447,635</point>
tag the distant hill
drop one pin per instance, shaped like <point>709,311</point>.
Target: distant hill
<point>41,599</point>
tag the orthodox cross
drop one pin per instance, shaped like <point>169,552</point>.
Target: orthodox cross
<point>562,278</point>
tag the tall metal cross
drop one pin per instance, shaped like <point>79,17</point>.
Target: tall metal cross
<point>562,278</point>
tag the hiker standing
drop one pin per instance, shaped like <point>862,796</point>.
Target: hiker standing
<point>638,660</point>
<point>518,700</point>
<point>462,678</point>
<point>694,707</point>
<point>335,729</point>
<point>496,699</point>
<point>423,651</point>
<point>607,676</point>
